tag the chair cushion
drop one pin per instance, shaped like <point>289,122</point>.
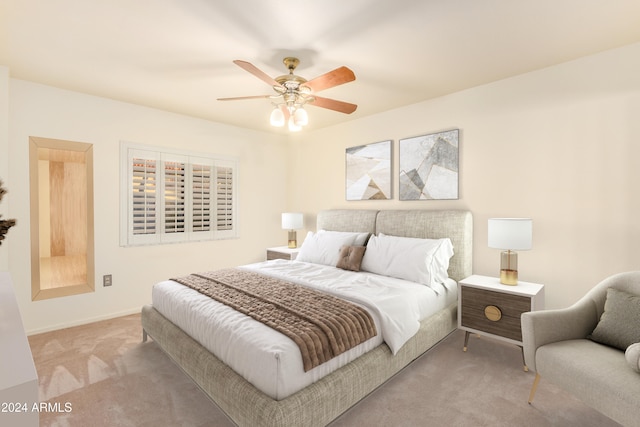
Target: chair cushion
<point>619,325</point>
<point>633,356</point>
<point>595,373</point>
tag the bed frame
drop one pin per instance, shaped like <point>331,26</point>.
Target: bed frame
<point>323,401</point>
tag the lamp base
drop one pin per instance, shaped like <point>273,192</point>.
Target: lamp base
<point>509,277</point>
<point>293,242</point>
<point>509,268</point>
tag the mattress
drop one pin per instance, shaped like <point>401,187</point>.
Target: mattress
<point>271,361</point>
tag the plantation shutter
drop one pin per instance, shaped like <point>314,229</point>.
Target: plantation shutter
<point>144,196</point>
<point>143,192</point>
<point>174,181</point>
<point>225,205</point>
<point>201,198</point>
<point>176,197</point>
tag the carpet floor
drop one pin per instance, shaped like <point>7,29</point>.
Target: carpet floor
<point>103,375</point>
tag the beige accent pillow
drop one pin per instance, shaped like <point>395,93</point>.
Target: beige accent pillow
<point>619,325</point>
<point>633,356</point>
<point>350,257</point>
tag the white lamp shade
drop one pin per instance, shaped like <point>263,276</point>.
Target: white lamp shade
<point>300,117</point>
<point>292,221</point>
<point>510,233</point>
<point>277,117</point>
<point>293,127</point>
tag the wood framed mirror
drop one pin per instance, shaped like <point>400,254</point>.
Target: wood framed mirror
<point>61,187</point>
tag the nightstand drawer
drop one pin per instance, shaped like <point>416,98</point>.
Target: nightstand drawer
<point>277,255</point>
<point>509,308</point>
<point>282,252</point>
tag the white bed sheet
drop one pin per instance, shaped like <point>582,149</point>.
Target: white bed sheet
<point>271,361</point>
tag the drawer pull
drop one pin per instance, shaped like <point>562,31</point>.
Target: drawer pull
<point>492,313</point>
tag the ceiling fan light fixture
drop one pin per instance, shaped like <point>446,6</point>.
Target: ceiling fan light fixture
<point>293,127</point>
<point>300,117</point>
<point>277,117</point>
<point>294,92</point>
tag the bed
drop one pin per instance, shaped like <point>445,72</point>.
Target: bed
<point>321,401</point>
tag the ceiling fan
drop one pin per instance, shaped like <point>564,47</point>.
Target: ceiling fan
<point>294,92</point>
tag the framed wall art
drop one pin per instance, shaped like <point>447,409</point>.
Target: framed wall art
<point>429,166</point>
<point>368,171</point>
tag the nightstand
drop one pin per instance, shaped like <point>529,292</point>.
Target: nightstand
<point>487,307</point>
<point>282,252</point>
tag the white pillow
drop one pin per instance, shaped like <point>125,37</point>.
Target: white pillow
<point>359,239</point>
<point>323,247</point>
<point>418,260</point>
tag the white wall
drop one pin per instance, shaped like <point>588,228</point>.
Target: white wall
<point>4,160</point>
<point>37,110</point>
<point>560,145</point>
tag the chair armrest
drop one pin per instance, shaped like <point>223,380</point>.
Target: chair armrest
<point>549,326</point>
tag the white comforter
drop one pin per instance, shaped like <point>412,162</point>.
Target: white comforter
<point>270,360</point>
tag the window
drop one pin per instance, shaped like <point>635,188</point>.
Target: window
<point>176,197</point>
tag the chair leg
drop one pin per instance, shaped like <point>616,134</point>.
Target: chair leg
<point>534,387</point>
<point>524,364</point>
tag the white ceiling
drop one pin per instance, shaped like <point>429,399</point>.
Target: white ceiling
<point>177,55</point>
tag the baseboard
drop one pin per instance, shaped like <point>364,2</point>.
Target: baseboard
<point>83,321</point>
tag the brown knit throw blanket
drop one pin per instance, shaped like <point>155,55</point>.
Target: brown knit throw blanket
<point>323,326</point>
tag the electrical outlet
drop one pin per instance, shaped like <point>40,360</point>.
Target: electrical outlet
<point>107,280</point>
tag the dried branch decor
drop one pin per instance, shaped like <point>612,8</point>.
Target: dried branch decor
<point>5,225</point>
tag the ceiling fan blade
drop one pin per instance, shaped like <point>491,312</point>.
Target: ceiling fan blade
<point>332,78</point>
<point>333,104</point>
<point>247,66</point>
<point>244,97</point>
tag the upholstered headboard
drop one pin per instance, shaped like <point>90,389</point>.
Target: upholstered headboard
<point>425,224</point>
<point>358,220</point>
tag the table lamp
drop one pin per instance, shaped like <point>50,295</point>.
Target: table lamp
<point>292,221</point>
<point>510,235</point>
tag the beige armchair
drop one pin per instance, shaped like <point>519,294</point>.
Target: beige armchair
<point>556,346</point>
